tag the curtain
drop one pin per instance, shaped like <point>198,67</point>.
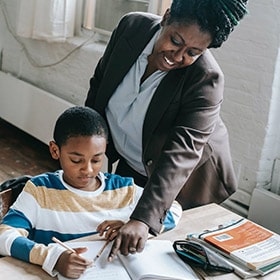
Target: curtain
<point>50,20</point>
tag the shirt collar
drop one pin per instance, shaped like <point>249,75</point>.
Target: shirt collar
<point>149,48</point>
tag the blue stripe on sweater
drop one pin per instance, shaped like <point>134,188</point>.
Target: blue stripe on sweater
<point>114,181</point>
<point>16,219</point>
<point>169,222</point>
<point>45,236</point>
<point>21,248</point>
<point>49,180</point>
<point>52,180</point>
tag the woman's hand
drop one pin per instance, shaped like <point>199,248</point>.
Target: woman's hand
<point>131,238</point>
<point>110,228</point>
<point>72,265</point>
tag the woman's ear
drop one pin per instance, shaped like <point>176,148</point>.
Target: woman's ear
<point>54,150</point>
<point>165,17</point>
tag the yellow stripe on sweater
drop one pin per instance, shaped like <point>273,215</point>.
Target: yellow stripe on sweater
<point>65,200</point>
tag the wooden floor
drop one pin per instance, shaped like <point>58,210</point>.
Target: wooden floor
<point>21,154</point>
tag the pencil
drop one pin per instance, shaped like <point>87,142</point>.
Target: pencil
<point>63,245</point>
<point>101,250</point>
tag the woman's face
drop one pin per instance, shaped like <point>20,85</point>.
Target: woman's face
<point>178,45</point>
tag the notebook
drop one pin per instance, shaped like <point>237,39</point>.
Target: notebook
<point>157,261</point>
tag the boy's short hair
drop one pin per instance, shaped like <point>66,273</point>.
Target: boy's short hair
<point>79,121</point>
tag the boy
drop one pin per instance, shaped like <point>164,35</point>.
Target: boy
<point>73,202</point>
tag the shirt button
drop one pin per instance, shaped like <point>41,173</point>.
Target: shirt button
<point>149,162</point>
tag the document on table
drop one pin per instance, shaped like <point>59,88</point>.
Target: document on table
<point>157,261</point>
<point>102,269</point>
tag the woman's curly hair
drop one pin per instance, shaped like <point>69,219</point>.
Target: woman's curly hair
<point>218,17</point>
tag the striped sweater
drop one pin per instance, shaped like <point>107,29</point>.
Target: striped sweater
<point>49,207</point>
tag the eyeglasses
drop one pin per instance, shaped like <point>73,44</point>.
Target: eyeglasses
<point>194,253</point>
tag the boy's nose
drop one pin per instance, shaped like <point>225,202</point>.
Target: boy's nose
<point>88,167</point>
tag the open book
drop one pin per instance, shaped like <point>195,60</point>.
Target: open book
<point>248,244</point>
<point>157,261</point>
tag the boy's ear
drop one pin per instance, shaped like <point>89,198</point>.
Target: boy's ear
<point>54,150</point>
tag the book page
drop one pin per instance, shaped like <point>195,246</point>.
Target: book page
<point>102,269</point>
<point>157,261</point>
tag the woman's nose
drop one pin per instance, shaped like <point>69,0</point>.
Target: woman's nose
<point>178,56</point>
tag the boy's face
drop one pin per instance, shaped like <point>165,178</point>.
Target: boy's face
<point>81,159</point>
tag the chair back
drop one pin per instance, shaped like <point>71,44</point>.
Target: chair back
<point>9,191</point>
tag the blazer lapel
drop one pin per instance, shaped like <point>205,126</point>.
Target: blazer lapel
<point>160,102</point>
<point>125,53</point>
<point>124,57</point>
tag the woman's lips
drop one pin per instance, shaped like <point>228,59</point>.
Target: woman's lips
<point>170,63</point>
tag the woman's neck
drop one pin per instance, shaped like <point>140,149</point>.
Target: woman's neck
<point>150,69</point>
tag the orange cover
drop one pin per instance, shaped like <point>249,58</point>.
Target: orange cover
<point>241,236</point>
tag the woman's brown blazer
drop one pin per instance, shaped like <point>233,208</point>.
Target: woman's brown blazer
<point>185,143</point>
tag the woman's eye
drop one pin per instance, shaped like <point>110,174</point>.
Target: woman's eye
<point>175,42</point>
<point>192,54</point>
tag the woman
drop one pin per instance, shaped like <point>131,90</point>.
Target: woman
<point>160,90</point>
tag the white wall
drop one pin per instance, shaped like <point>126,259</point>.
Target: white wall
<point>248,60</point>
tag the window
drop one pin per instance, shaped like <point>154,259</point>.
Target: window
<point>102,16</point>
<point>59,20</point>
<point>45,20</point>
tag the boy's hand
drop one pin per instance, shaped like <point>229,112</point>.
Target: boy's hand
<point>110,227</point>
<point>72,265</point>
<point>131,238</point>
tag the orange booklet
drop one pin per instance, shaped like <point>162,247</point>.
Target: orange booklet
<point>248,243</point>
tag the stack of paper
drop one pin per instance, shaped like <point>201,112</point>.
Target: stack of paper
<point>247,244</point>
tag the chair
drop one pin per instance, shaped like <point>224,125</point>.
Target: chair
<point>9,191</point>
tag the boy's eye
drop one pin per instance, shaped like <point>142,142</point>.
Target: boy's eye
<point>95,161</point>
<point>75,160</point>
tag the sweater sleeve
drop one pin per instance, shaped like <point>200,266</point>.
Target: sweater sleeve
<point>16,232</point>
<point>15,242</point>
<point>173,217</point>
